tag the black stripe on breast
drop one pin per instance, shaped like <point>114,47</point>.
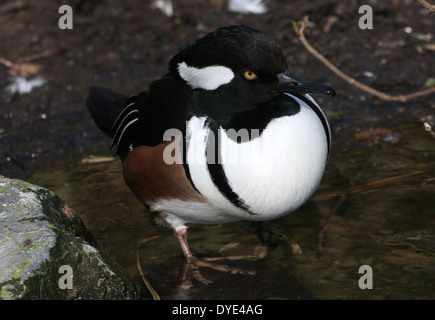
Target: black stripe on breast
<point>184,146</point>
<point>258,118</point>
<point>320,115</point>
<point>217,172</point>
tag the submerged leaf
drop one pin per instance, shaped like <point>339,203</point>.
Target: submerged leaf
<point>25,69</point>
<point>383,134</point>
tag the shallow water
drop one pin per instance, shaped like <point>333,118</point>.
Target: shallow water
<point>375,207</point>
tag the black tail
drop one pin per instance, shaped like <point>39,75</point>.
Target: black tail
<point>104,106</point>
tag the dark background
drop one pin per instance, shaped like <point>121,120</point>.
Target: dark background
<point>124,45</point>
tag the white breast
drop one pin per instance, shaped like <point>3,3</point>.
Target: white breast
<point>273,174</point>
<point>282,168</point>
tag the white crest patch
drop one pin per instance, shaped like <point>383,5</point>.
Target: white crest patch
<point>208,78</point>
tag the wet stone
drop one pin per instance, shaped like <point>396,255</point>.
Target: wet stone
<point>46,252</point>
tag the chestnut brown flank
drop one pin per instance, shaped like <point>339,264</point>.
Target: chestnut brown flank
<point>152,179</point>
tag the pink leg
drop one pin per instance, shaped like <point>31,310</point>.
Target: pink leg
<point>181,235</point>
<point>191,268</point>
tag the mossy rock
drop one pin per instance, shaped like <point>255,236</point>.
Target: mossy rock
<point>46,252</point>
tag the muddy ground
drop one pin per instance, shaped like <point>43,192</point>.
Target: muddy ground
<point>124,45</point>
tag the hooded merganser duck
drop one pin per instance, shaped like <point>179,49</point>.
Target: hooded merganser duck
<point>227,134</point>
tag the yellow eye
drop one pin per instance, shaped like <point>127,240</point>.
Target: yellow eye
<point>250,75</point>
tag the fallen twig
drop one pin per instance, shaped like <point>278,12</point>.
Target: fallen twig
<point>427,5</point>
<point>12,6</point>
<point>300,27</point>
<point>42,54</point>
<point>333,212</point>
<point>153,292</point>
<point>428,128</point>
<point>371,185</point>
<point>24,67</point>
<point>6,63</point>
<point>97,159</point>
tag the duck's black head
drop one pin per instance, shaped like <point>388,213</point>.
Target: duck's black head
<point>237,68</point>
